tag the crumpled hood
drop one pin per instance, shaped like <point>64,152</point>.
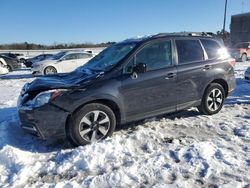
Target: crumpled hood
<point>62,81</point>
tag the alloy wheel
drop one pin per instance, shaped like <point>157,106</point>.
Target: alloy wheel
<point>244,58</point>
<point>94,126</point>
<point>50,70</point>
<point>214,100</point>
<point>9,68</point>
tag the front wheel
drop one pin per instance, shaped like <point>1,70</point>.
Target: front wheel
<point>92,123</point>
<point>50,70</point>
<point>244,58</point>
<point>9,68</point>
<point>212,100</point>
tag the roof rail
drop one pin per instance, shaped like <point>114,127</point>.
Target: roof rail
<point>207,34</point>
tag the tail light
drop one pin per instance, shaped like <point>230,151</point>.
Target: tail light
<point>232,62</point>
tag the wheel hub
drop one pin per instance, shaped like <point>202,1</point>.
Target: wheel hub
<point>94,125</point>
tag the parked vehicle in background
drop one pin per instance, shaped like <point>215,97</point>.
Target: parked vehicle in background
<point>3,67</point>
<point>247,74</point>
<point>22,58</point>
<point>129,81</point>
<point>241,51</point>
<point>12,63</point>
<point>62,62</point>
<point>11,55</point>
<point>41,57</point>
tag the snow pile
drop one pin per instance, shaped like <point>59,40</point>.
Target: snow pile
<point>185,149</point>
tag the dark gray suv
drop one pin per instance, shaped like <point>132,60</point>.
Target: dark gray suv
<point>129,81</point>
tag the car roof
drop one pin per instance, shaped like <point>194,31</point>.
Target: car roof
<point>5,57</point>
<point>76,51</point>
<point>242,43</point>
<point>185,34</point>
<point>208,35</point>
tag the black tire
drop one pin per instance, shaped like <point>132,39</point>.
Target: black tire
<point>244,57</point>
<point>9,68</point>
<point>52,70</point>
<point>77,124</point>
<point>207,104</point>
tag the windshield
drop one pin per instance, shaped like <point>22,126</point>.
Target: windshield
<point>58,55</point>
<point>109,57</point>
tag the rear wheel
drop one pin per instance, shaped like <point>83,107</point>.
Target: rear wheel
<point>244,58</point>
<point>212,100</point>
<point>50,70</point>
<point>92,123</point>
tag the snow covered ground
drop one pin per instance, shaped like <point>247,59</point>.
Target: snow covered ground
<point>185,149</point>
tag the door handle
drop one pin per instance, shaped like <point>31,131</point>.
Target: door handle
<point>207,67</point>
<point>170,75</point>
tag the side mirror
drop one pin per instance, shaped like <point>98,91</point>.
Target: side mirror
<point>140,68</point>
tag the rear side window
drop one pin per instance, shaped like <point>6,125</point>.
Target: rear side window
<point>211,48</point>
<point>70,57</point>
<point>189,51</point>
<point>83,56</point>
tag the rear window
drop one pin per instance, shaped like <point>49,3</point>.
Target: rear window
<point>189,51</point>
<point>211,48</point>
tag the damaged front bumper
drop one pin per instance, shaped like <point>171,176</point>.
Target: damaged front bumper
<point>46,122</point>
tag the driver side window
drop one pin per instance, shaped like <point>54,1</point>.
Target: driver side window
<point>156,55</point>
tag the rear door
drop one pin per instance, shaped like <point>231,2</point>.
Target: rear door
<point>69,62</point>
<point>83,58</point>
<point>194,71</point>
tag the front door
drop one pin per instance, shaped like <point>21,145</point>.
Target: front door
<point>153,92</point>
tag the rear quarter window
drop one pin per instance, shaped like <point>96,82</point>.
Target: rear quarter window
<point>189,51</point>
<point>211,47</point>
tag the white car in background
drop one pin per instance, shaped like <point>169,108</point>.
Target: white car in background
<point>247,74</point>
<point>3,67</point>
<point>62,62</point>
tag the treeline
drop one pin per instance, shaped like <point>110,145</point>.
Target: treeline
<point>32,46</point>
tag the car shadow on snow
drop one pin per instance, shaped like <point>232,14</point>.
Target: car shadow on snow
<point>11,134</point>
<point>241,94</point>
<point>238,100</point>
